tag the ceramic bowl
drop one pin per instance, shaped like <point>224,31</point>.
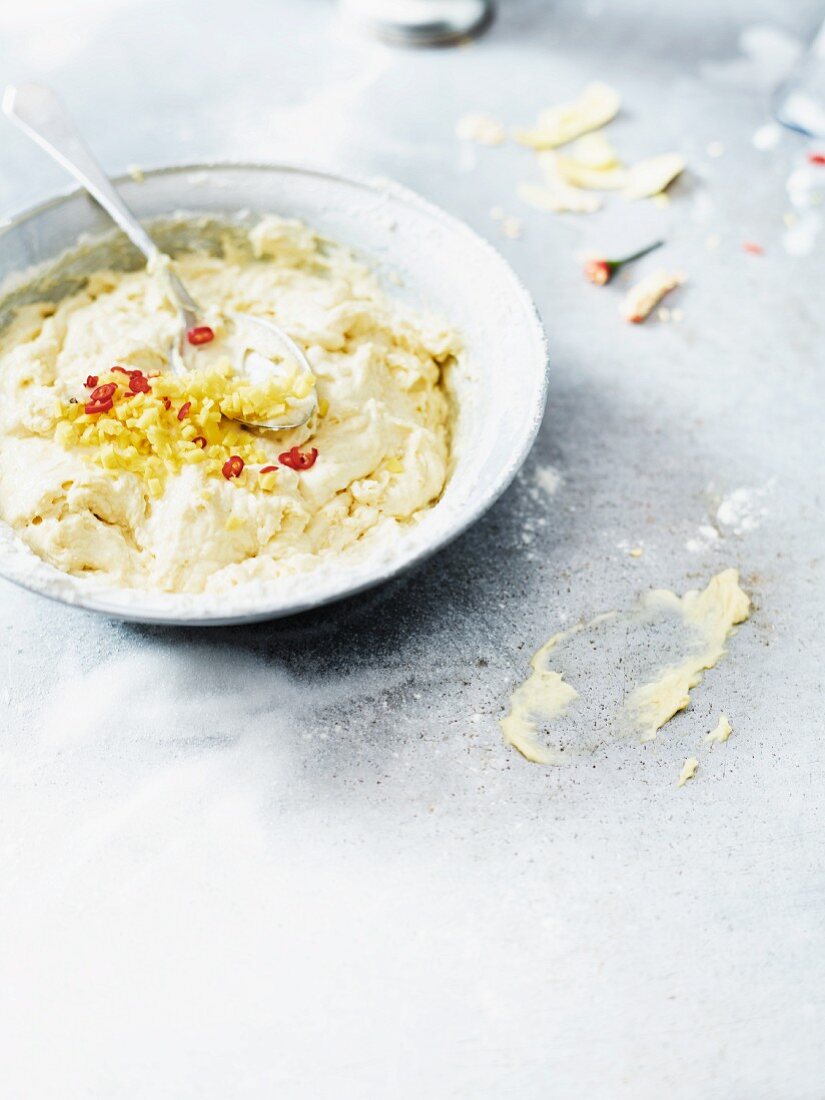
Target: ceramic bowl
<point>424,255</point>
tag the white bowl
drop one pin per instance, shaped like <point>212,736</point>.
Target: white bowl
<point>444,267</point>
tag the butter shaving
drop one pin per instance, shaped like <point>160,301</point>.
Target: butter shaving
<point>557,125</point>
<point>592,179</point>
<point>651,177</point>
<point>641,299</point>
<point>557,195</point>
<point>594,151</point>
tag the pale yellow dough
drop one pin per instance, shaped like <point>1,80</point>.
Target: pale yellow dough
<point>383,435</point>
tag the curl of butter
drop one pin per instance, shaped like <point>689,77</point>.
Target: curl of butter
<point>644,296</point>
<point>564,122</point>
<point>594,151</point>
<point>650,177</point>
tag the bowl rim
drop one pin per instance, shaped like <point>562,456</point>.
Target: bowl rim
<point>379,185</point>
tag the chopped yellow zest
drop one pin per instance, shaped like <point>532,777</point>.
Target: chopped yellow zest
<point>141,435</point>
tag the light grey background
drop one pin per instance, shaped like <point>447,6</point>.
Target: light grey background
<point>297,860</point>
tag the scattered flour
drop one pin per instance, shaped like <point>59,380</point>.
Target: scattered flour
<point>480,128</point>
<point>549,479</point>
<point>511,228</point>
<point>743,509</point>
<point>767,137</point>
<point>806,191</point>
<point>705,538</point>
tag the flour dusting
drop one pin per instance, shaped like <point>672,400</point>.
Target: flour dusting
<point>743,509</point>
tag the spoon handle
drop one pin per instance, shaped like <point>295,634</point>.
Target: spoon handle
<point>40,114</point>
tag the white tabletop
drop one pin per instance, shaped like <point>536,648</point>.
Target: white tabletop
<point>297,860</point>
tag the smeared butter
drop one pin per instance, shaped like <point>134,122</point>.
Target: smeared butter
<point>706,619</point>
<point>712,615</point>
<point>688,771</point>
<point>543,696</point>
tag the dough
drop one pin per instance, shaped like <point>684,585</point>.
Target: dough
<point>137,506</point>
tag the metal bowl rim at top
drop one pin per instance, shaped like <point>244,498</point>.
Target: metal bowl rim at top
<point>100,600</point>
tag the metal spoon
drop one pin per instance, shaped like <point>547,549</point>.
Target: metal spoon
<point>40,114</point>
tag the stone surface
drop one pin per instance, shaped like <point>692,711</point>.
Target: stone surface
<point>297,859</point>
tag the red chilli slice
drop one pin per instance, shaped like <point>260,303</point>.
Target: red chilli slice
<point>267,469</point>
<point>202,334</point>
<point>201,441</point>
<point>233,467</point>
<point>183,411</point>
<point>94,408</point>
<point>295,460</point>
<point>139,384</point>
<point>816,158</point>
<point>167,404</point>
<point>91,382</point>
<point>102,393</point>
<point>101,399</point>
